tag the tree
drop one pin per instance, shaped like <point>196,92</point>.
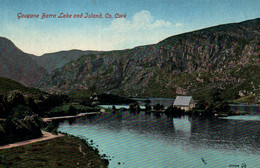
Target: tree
<point>214,105</point>
<point>147,105</point>
<point>72,110</point>
<point>15,98</point>
<point>174,111</point>
<point>148,108</point>
<point>147,102</point>
<point>3,113</point>
<point>217,103</point>
<point>158,107</point>
<point>134,107</point>
<point>215,95</point>
<point>32,105</point>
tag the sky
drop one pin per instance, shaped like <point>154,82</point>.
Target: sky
<point>143,22</point>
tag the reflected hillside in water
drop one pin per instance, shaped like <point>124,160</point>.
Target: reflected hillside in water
<point>213,133</point>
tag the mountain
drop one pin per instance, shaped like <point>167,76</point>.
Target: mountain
<point>17,65</point>
<point>51,61</point>
<point>224,56</point>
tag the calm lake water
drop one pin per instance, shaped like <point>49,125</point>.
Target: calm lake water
<point>147,140</point>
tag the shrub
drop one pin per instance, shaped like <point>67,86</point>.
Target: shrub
<point>13,130</point>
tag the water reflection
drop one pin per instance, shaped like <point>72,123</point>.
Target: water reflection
<point>128,136</point>
<point>209,132</point>
<point>236,133</point>
<point>182,126</point>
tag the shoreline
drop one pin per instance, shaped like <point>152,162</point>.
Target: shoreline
<point>68,117</point>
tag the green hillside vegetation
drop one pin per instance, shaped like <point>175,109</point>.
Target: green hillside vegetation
<point>19,115</point>
<point>15,130</point>
<point>20,110</point>
<point>69,110</point>
<point>7,85</point>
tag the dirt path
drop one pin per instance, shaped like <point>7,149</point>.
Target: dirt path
<point>45,136</point>
<point>65,117</point>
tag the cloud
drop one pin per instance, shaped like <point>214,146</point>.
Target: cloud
<point>178,25</point>
<point>141,29</point>
<point>160,23</point>
<point>142,20</point>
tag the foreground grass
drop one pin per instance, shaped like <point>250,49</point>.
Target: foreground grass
<point>64,152</point>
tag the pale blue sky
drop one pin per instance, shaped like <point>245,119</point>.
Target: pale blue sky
<point>146,22</point>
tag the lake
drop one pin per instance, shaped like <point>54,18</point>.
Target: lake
<point>152,140</point>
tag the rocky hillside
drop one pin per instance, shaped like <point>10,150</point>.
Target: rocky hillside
<point>17,65</point>
<point>51,61</point>
<point>224,56</point>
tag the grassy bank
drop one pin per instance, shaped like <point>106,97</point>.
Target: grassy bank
<point>69,109</point>
<point>64,152</point>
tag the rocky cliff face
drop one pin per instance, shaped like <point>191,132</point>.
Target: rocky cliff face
<point>17,65</point>
<point>225,56</point>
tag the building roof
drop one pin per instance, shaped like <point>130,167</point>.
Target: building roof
<point>182,100</point>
